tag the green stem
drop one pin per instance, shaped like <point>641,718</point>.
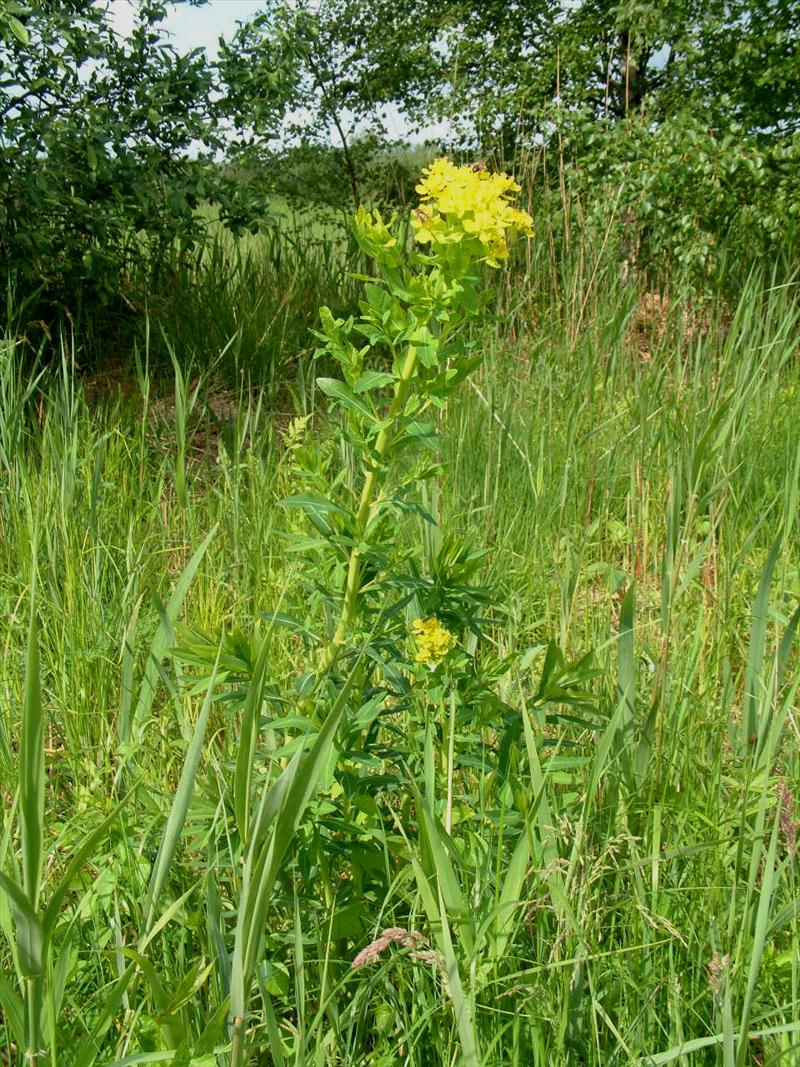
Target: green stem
<point>238,1057</point>
<point>451,747</point>
<point>373,481</point>
<point>33,992</point>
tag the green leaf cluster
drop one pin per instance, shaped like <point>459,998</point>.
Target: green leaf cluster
<point>108,149</point>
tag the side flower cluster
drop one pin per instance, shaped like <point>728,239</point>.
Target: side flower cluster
<point>433,641</point>
<point>469,203</point>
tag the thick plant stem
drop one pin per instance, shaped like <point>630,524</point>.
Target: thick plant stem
<point>238,1056</point>
<point>33,997</point>
<point>372,483</point>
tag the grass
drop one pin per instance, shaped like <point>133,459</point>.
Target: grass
<point>594,866</point>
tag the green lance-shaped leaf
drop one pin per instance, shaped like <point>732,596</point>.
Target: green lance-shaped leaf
<point>17,28</point>
<point>13,1011</point>
<point>626,689</point>
<point>509,898</point>
<point>626,666</point>
<point>51,912</point>
<point>436,858</point>
<point>373,379</point>
<point>248,736</point>
<point>30,942</point>
<point>541,825</point>
<point>344,395</point>
<point>429,885</point>
<point>90,1048</point>
<point>754,686</point>
<point>769,879</point>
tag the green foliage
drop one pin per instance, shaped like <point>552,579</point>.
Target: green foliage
<point>247,307</point>
<point>500,67</point>
<point>107,152</point>
<point>307,51</point>
<point>673,124</point>
<point>314,175</point>
<point>681,195</point>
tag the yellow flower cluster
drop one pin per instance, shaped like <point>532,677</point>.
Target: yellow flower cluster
<point>469,202</point>
<point>433,641</point>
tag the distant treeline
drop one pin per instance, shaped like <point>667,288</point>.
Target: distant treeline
<point>672,127</point>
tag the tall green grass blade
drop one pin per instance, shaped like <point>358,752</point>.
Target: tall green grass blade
<point>760,932</point>
<point>248,738</point>
<point>626,682</point>
<point>90,1047</point>
<point>178,811</point>
<point>161,642</point>
<point>508,901</point>
<point>470,1055</point>
<point>754,673</point>
<point>24,901</point>
<point>435,910</point>
<point>30,940</point>
<point>281,809</point>
<point>785,647</point>
<point>13,1012</point>
<point>31,771</point>
<point>699,1043</point>
<point>440,870</point>
<point>216,936</point>
<point>126,689</point>
<point>542,828</point>
<point>76,863</point>
<point>213,1034</point>
<point>145,1057</point>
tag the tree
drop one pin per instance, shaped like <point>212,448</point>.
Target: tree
<point>681,115</point>
<point>335,86</point>
<point>509,64</point>
<point>106,149</point>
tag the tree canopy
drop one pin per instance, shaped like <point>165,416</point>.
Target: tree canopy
<point>503,64</point>
<point>107,145</point>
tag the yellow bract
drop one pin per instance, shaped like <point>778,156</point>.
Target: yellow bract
<point>433,641</point>
<point>469,202</point>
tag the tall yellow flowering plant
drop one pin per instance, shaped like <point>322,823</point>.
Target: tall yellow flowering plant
<point>404,355</point>
<point>398,360</point>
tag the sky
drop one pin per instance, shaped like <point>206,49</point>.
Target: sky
<point>201,27</point>
<point>192,27</point>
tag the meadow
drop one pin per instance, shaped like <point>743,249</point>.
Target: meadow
<point>587,855</point>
